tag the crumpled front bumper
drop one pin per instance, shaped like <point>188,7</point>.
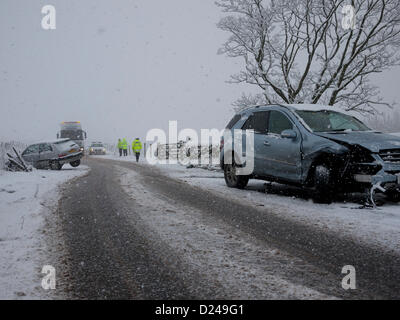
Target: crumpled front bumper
<point>388,177</point>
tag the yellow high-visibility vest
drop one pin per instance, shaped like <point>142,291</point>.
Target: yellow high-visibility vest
<point>136,146</point>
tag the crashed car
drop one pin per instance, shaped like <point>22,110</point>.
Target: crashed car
<point>97,148</point>
<point>316,147</point>
<point>53,154</point>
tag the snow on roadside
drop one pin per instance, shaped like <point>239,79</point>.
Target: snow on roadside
<point>178,166</point>
<point>108,156</point>
<point>25,201</point>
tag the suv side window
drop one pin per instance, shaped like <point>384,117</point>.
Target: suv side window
<point>278,122</point>
<point>261,122</point>
<point>257,122</point>
<point>44,147</point>
<point>32,149</point>
<point>249,124</point>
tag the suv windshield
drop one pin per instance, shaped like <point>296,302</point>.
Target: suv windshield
<point>97,145</point>
<point>331,121</point>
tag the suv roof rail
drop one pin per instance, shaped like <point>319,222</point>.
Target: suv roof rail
<point>258,106</point>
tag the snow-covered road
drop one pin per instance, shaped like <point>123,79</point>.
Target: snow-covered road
<point>375,226</point>
<point>267,241</point>
<point>242,267</point>
<point>235,241</point>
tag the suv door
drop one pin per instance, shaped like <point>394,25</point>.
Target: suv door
<point>258,122</point>
<point>45,154</point>
<point>283,155</point>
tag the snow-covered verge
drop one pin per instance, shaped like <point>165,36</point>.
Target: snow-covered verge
<point>26,199</point>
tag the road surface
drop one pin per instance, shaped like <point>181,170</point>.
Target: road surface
<point>131,232</point>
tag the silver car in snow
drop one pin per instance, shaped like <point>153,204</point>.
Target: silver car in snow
<point>53,154</point>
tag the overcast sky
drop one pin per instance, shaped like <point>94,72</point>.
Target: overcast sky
<point>121,67</point>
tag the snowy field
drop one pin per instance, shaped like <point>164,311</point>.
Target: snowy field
<point>26,199</point>
<point>379,227</point>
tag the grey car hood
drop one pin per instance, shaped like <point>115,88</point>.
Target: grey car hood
<point>373,141</point>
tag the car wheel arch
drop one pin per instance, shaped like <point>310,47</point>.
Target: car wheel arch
<point>232,155</point>
<point>327,158</point>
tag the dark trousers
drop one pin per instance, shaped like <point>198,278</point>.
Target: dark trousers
<point>125,152</point>
<point>137,154</point>
<point>120,152</point>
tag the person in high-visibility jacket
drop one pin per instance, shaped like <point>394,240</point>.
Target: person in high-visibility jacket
<point>119,145</point>
<point>125,147</point>
<point>137,147</point>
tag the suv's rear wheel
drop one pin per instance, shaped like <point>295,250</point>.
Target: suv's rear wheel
<point>323,184</point>
<point>232,179</point>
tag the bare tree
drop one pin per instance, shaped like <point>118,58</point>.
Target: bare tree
<point>312,51</point>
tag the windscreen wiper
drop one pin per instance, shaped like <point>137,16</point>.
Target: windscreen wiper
<point>340,130</point>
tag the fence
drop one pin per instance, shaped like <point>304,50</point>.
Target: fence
<point>191,154</point>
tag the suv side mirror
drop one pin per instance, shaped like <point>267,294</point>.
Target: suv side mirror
<point>289,134</point>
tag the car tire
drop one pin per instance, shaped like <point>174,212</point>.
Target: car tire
<point>232,179</point>
<point>75,164</point>
<point>323,185</point>
<point>56,165</point>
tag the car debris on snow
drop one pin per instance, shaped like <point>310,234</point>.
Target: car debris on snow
<point>16,163</point>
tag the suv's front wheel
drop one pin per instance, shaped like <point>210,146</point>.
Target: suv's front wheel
<point>232,179</point>
<point>393,195</point>
<point>323,184</point>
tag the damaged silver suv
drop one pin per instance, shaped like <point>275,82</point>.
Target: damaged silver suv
<point>317,147</point>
